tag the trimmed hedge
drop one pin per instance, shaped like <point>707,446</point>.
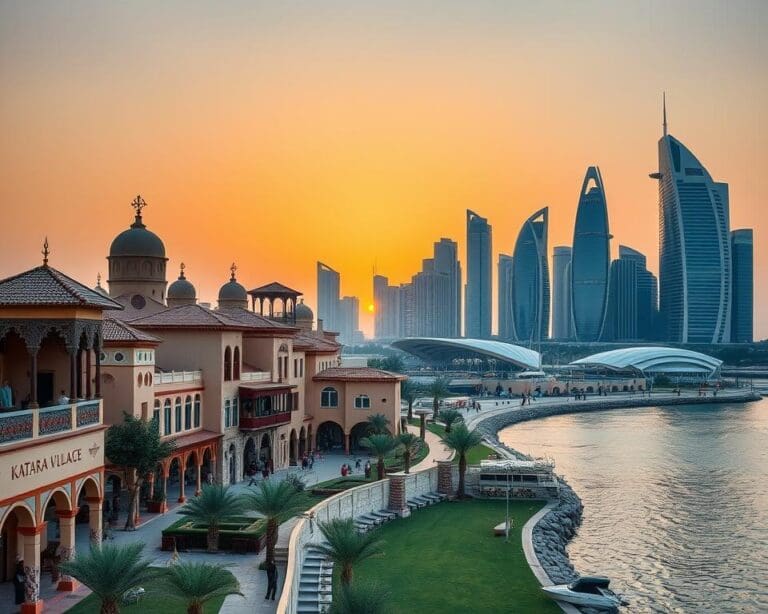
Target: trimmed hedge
<point>236,528</point>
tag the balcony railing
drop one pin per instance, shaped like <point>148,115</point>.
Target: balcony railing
<point>256,376</point>
<point>178,377</point>
<point>259,422</point>
<point>37,423</point>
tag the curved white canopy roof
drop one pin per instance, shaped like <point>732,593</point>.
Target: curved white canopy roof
<point>433,349</point>
<point>653,360</point>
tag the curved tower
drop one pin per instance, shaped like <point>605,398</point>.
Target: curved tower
<point>590,259</point>
<point>530,280</point>
<point>694,248</point>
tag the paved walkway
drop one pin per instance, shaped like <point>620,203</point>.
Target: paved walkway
<point>437,450</point>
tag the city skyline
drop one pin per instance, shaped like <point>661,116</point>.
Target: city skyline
<point>277,158</point>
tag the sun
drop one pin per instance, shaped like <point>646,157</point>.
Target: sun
<point>370,307</point>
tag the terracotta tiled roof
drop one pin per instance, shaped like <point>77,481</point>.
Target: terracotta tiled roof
<point>309,343</point>
<point>44,285</point>
<point>253,320</point>
<point>114,330</point>
<point>358,374</point>
<point>189,316</point>
<point>274,288</point>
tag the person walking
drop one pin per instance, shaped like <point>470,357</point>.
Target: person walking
<point>19,583</point>
<point>271,570</point>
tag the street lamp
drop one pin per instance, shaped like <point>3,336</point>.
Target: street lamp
<point>506,524</point>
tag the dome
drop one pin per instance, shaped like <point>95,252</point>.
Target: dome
<point>233,291</point>
<point>137,240</point>
<point>303,312</point>
<point>181,288</point>
<point>99,288</point>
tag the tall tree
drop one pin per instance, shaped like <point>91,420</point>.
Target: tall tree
<point>136,447</point>
<point>276,501</point>
<point>409,392</point>
<point>194,584</point>
<point>213,506</point>
<point>380,445</point>
<point>461,440</point>
<point>438,390</point>
<point>449,417</point>
<point>346,546</point>
<point>378,424</point>
<point>110,571</point>
<point>411,444</point>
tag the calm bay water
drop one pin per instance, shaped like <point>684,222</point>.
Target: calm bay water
<point>676,501</point>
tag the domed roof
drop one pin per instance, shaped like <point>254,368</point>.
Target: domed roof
<point>233,291</point>
<point>99,287</point>
<point>181,288</point>
<point>137,240</point>
<point>303,312</point>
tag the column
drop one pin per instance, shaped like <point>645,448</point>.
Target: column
<point>445,477</point>
<point>397,495</point>
<point>182,478</point>
<point>33,378</point>
<point>164,506</point>
<point>79,374</point>
<point>347,442</point>
<point>88,368</point>
<point>67,547</point>
<point>97,376</point>
<point>30,537</point>
<point>199,485</point>
<point>72,375</point>
<point>95,520</point>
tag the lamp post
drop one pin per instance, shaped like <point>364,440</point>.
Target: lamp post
<point>506,524</point>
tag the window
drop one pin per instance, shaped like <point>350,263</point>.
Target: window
<point>235,416</point>
<point>236,365</point>
<point>227,414</point>
<point>147,379</point>
<point>228,364</point>
<point>188,413</point>
<point>139,380</point>
<point>156,413</point>
<point>197,410</point>
<point>329,397</point>
<point>167,417</point>
<point>362,401</point>
<point>301,367</point>
<point>295,367</point>
<point>119,357</point>
<point>178,414</point>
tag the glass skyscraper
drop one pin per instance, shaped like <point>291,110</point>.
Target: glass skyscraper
<point>590,259</point>
<point>694,248</point>
<point>328,296</point>
<point>505,297</point>
<point>742,292</point>
<point>561,293</point>
<point>530,280</point>
<point>477,305</point>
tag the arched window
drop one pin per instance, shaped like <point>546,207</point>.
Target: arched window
<point>227,414</point>
<point>147,379</point>
<point>188,413</point>
<point>329,397</point>
<point>362,401</point>
<point>167,417</point>
<point>236,364</point>
<point>228,364</point>
<point>197,411</point>
<point>139,380</point>
<point>178,414</point>
<point>156,414</point>
<point>235,416</point>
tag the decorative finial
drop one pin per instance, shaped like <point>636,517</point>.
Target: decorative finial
<point>233,268</point>
<point>98,280</point>
<point>181,271</point>
<point>664,108</point>
<point>138,203</point>
<point>45,252</point>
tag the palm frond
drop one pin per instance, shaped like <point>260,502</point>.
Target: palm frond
<point>461,439</point>
<point>214,505</point>
<point>199,582</point>
<point>346,545</point>
<point>273,499</point>
<point>361,598</point>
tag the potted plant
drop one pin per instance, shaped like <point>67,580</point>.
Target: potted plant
<point>156,503</point>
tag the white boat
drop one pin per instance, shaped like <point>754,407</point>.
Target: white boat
<point>591,591</point>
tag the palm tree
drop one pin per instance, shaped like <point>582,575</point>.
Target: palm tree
<point>276,501</point>
<point>196,583</point>
<point>380,445</point>
<point>409,392</point>
<point>368,598</point>
<point>438,390</point>
<point>411,444</point>
<point>214,505</point>
<point>449,416</point>
<point>377,424</point>
<point>461,440</point>
<point>346,546</point>
<point>110,571</point>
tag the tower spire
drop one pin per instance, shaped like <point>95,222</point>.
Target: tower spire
<point>664,111</point>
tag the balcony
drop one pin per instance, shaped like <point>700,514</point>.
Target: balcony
<point>252,423</point>
<point>32,424</point>
<point>256,376</point>
<point>178,377</point>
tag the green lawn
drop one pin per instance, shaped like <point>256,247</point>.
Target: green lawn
<point>445,559</point>
<point>474,456</point>
<point>153,602</point>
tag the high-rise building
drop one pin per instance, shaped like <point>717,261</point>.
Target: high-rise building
<point>446,262</point>
<point>561,293</point>
<point>694,247</point>
<point>632,299</point>
<point>349,320</point>
<point>505,297</point>
<point>386,308</point>
<point>477,306</point>
<point>742,291</point>
<point>530,280</point>
<point>328,292</point>
<point>590,259</point>
<point>407,311</point>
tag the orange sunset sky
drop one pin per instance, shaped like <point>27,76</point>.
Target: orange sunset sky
<point>276,134</point>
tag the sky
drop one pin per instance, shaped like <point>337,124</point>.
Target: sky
<point>276,134</point>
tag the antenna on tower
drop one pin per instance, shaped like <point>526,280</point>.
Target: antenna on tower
<point>664,111</point>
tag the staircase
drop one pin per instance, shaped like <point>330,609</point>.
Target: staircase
<point>315,584</point>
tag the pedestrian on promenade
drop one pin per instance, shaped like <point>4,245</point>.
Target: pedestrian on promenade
<point>367,469</point>
<point>271,570</point>
<point>358,464</point>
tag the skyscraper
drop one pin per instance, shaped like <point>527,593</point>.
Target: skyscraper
<point>446,262</point>
<point>590,259</point>
<point>386,308</point>
<point>632,296</point>
<point>505,297</point>
<point>477,307</point>
<point>694,247</point>
<point>742,292</point>
<point>349,320</point>
<point>530,280</point>
<point>561,293</point>
<point>328,282</point>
